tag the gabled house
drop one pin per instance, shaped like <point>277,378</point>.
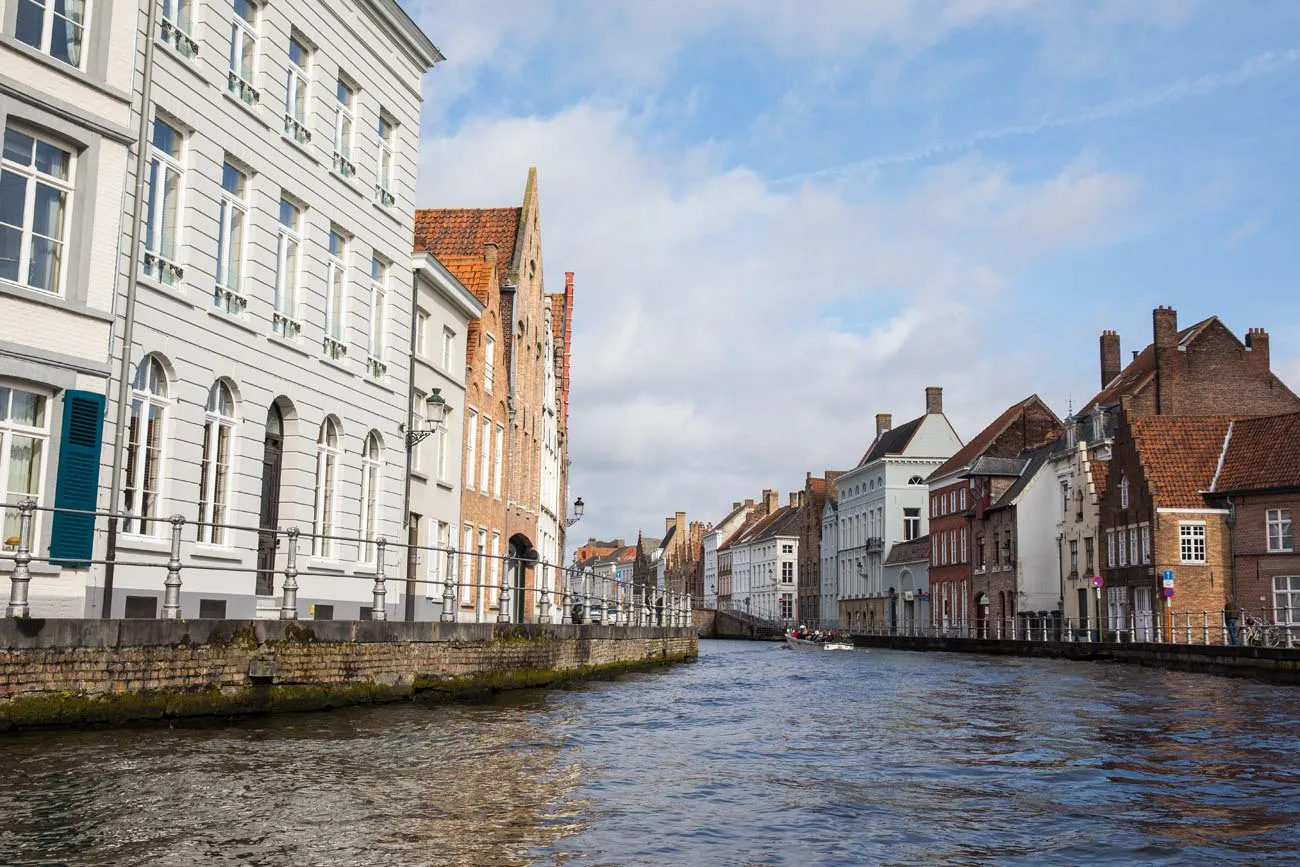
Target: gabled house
<point>765,561</point>
<point>715,589</point>
<point>810,539</point>
<point>1024,425</point>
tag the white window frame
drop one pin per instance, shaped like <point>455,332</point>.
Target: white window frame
<point>40,435</point>
<point>1146,543</point>
<point>345,125</point>
<point>443,448</point>
<point>150,401</point>
<point>218,460</point>
<point>33,179</point>
<point>448,348</point>
<point>1123,492</point>
<point>1110,548</point>
<point>177,27</point>
<point>787,572</point>
<point>467,589</point>
<point>48,14</point>
<point>1286,600</point>
<point>419,422</point>
<point>471,450</point>
<point>244,37</point>
<point>1191,537</point>
<point>297,91</point>
<point>372,494</point>
<point>484,462</point>
<point>422,319</point>
<point>495,582</point>
<point>335,344</point>
<point>325,511</point>
<point>162,255</point>
<point>386,143</point>
<point>496,461</point>
<point>1133,555</point>
<point>1123,546</point>
<point>1283,540</point>
<point>963,546</point>
<point>489,362</point>
<point>284,317</point>
<point>228,294</point>
<point>377,342</point>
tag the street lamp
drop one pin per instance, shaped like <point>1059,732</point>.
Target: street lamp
<point>435,413</point>
<point>578,508</point>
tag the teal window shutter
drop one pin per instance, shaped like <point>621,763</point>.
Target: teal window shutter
<point>72,537</point>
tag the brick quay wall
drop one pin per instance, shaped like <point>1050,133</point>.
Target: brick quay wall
<point>1271,664</point>
<point>76,672</point>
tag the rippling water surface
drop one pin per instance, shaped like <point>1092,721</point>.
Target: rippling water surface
<point>753,755</point>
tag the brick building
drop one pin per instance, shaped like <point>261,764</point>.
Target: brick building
<point>810,539</point>
<point>1024,425</point>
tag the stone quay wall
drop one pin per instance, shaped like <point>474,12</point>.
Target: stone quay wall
<point>74,672</point>
<point>1272,664</point>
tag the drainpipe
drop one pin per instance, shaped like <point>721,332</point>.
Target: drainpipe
<point>128,324</point>
<point>409,613</point>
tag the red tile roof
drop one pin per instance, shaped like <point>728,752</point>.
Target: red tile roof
<point>472,271</point>
<point>1100,472</point>
<point>448,232</point>
<point>1262,453</point>
<point>1179,457</point>
<point>985,438</point>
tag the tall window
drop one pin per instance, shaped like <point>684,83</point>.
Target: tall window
<point>471,440</point>
<point>386,135</point>
<point>489,362</point>
<point>496,462</point>
<point>963,498</point>
<point>229,292</point>
<point>466,566</point>
<point>35,186</point>
<point>162,218</point>
<point>448,348</point>
<point>144,443</point>
<point>483,461</point>
<point>214,474</point>
<point>1123,549</point>
<point>787,572</point>
<point>378,317</point>
<point>344,122</point>
<point>1280,535</point>
<point>1110,548</point>
<point>371,465</point>
<point>327,471</point>
<point>1088,555</point>
<point>335,302</point>
<point>1146,543</point>
<point>441,439</point>
<point>1065,498</point>
<point>963,545</point>
<point>1191,543</point>
<point>496,568</point>
<point>178,26</point>
<point>1286,599</point>
<point>24,434</point>
<point>289,241</point>
<point>1123,492</point>
<point>296,91</point>
<point>1074,556</point>
<point>53,27</point>
<point>1133,545</point>
<point>420,423</point>
<point>421,334</point>
<point>243,52</point>
<point>911,524</point>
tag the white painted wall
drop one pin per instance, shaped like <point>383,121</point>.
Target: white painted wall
<point>1037,561</point>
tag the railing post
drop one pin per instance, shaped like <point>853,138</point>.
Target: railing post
<point>503,598</point>
<point>379,609</point>
<point>21,578</point>
<point>171,609</point>
<point>1205,627</point>
<point>448,614</point>
<point>1187,619</point>
<point>289,601</point>
<point>543,598</point>
<point>604,600</point>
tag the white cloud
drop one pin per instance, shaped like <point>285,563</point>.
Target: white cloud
<point>730,335</point>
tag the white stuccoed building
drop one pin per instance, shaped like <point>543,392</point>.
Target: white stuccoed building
<point>65,118</point>
<point>269,383</point>
<point>716,536</point>
<point>830,558</point>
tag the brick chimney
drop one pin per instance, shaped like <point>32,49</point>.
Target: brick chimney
<point>771,500</point>
<point>884,421</point>
<point>1257,351</point>
<point>668,524</point>
<point>1164,327</point>
<point>735,504</point>
<point>1110,363</point>
<point>1164,333</point>
<point>490,252</point>
<point>934,399</point>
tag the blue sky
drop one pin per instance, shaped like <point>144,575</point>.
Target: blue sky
<point>785,216</point>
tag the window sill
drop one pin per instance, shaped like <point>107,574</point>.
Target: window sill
<point>250,110</point>
<point>151,544</point>
<point>380,384</point>
<point>190,63</point>
<point>287,344</point>
<point>326,565</point>
<point>236,321</point>
<point>419,476</point>
<point>175,292</point>
<point>446,486</point>
<point>27,293</point>
<point>336,364</point>
<point>300,147</point>
<point>351,183</point>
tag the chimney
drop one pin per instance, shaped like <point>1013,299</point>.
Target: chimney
<point>490,252</point>
<point>736,504</point>
<point>771,500</point>
<point>619,543</point>
<point>794,500</point>
<point>1164,327</point>
<point>884,421</point>
<point>668,525</point>
<point>749,502</point>
<point>1110,363</point>
<point>934,399</point>
<point>1257,351</point>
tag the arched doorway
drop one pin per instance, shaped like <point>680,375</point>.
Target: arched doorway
<point>522,556</point>
<point>268,518</point>
<point>982,615</point>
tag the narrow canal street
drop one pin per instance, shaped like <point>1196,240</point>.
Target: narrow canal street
<point>752,755</point>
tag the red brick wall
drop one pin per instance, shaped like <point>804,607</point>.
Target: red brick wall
<point>1255,566</point>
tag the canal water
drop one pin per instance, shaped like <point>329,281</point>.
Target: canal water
<point>752,755</point>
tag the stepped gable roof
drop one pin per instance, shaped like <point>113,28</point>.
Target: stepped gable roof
<point>447,232</point>
<point>1179,456</point>
<point>1261,453</point>
<point>817,498</point>
<point>915,551</point>
<point>1141,369</point>
<point>985,438</point>
<point>892,442</point>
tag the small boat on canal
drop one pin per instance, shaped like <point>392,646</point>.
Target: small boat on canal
<point>810,644</point>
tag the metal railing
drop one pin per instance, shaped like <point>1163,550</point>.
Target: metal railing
<point>1263,627</point>
<point>559,594</point>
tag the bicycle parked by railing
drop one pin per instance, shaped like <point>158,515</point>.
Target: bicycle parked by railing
<point>1255,632</point>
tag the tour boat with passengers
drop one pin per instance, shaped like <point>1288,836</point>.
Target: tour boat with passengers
<point>802,639</point>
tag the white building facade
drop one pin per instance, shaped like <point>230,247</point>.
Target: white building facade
<point>830,558</point>
<point>269,379</point>
<point>65,117</point>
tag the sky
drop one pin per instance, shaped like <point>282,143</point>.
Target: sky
<point>786,216</point>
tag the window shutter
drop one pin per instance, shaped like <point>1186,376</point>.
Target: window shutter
<point>72,537</point>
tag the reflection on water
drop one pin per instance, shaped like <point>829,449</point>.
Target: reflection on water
<point>753,755</point>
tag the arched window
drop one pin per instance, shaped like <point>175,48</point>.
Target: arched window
<point>371,462</point>
<point>143,483</point>
<point>214,475</point>
<point>916,480</point>
<point>327,476</point>
<point>1123,492</point>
